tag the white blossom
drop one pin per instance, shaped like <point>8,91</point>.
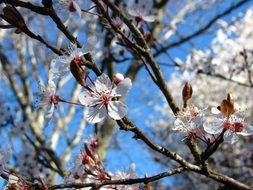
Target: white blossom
<point>67,5</point>
<point>48,98</point>
<point>142,11</point>
<point>189,121</point>
<point>102,100</point>
<point>61,65</point>
<point>233,126</point>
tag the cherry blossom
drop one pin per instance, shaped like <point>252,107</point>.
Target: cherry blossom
<point>232,125</point>
<point>87,167</point>
<point>142,11</point>
<point>129,174</point>
<point>16,183</point>
<point>70,5</point>
<point>48,98</point>
<point>117,78</point>
<point>29,165</point>
<point>19,128</point>
<point>188,121</point>
<point>103,99</point>
<point>61,65</point>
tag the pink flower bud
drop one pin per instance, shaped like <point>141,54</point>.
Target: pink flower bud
<point>103,176</point>
<point>118,77</point>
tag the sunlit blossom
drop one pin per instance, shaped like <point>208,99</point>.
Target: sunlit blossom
<point>48,98</point>
<point>103,99</point>
<point>232,125</point>
<point>16,183</point>
<point>70,5</point>
<point>61,65</point>
<point>142,11</point>
<point>188,121</point>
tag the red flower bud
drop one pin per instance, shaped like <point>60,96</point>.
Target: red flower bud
<point>78,71</point>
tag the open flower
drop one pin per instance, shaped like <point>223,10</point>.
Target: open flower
<point>103,99</point>
<point>70,5</point>
<point>48,98</point>
<point>61,65</point>
<point>142,11</point>
<point>232,125</point>
<point>188,121</point>
<point>15,182</point>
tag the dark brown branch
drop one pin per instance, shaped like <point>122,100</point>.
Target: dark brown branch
<point>127,125</point>
<point>48,12</point>
<point>216,75</point>
<point>144,51</point>
<point>120,182</point>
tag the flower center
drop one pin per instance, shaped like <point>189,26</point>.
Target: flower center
<point>238,127</point>
<point>54,99</point>
<point>106,98</point>
<point>193,113</point>
<point>102,176</point>
<point>72,7</point>
<point>138,19</point>
<point>78,60</point>
<point>85,159</point>
<point>227,125</point>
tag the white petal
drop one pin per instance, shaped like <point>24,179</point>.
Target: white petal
<point>179,125</point>
<point>13,179</point>
<point>248,130</point>
<point>133,12</point>
<point>87,99</point>
<point>96,114</point>
<point>49,111</point>
<point>122,88</point>
<point>51,87</point>
<point>78,9</point>
<point>149,18</point>
<point>103,83</point>
<point>117,110</point>
<point>212,127</point>
<point>215,111</point>
<point>198,120</point>
<point>60,66</point>
<point>230,137</point>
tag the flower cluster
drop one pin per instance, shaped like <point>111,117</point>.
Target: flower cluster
<point>30,165</point>
<point>101,99</point>
<point>87,165</point>
<point>226,122</point>
<point>88,168</point>
<point>16,183</point>
<point>232,126</point>
<point>71,6</point>
<point>62,65</point>
<point>189,121</point>
<point>142,11</point>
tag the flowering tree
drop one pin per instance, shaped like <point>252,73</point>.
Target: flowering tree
<point>68,65</point>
